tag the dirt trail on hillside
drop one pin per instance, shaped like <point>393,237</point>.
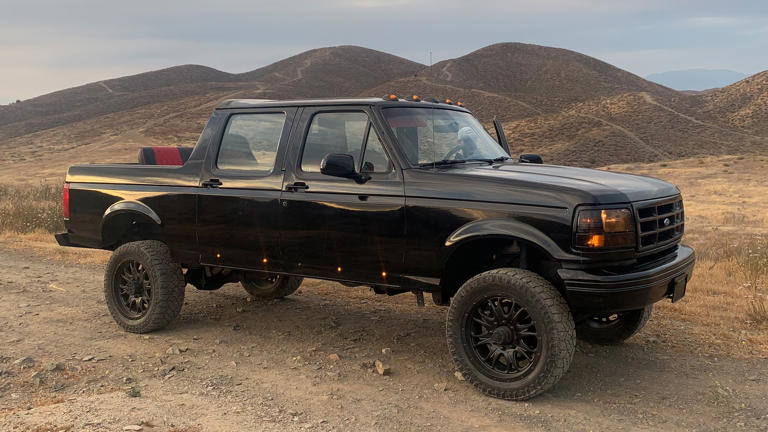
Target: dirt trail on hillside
<point>233,364</point>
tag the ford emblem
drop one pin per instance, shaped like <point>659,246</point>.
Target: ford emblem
<point>667,221</point>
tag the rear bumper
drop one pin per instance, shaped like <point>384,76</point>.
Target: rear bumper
<point>63,239</point>
<point>593,293</point>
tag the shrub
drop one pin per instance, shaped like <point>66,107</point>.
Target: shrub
<point>25,209</point>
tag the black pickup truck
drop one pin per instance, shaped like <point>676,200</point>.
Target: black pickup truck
<point>402,196</point>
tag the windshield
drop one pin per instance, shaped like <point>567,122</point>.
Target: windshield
<point>433,135</point>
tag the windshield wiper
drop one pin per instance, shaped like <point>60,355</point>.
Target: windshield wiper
<point>502,159</point>
<point>442,163</point>
<point>486,160</point>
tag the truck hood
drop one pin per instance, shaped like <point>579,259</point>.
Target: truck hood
<point>552,185</point>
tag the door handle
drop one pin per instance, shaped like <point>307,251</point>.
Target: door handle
<point>296,186</point>
<point>212,183</point>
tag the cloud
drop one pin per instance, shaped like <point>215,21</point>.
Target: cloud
<point>716,21</point>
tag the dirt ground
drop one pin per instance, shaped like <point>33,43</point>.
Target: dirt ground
<point>229,363</point>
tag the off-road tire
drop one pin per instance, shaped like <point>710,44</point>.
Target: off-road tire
<point>165,276</point>
<point>597,331</point>
<point>546,307</point>
<point>282,286</point>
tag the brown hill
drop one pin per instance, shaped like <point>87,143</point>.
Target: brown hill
<point>320,72</point>
<point>632,127</point>
<point>337,71</point>
<point>743,104</point>
<point>544,77</point>
<point>571,108</point>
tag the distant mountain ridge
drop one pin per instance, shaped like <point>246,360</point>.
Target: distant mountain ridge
<point>696,79</point>
<point>569,107</point>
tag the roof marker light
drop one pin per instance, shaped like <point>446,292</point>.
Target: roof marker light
<point>449,102</point>
<point>390,97</point>
<point>415,98</point>
<point>459,103</point>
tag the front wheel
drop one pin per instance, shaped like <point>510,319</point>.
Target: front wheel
<point>510,333</point>
<point>611,329</point>
<point>143,286</point>
<point>270,286</point>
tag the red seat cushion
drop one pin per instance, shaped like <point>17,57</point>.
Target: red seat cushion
<point>164,155</point>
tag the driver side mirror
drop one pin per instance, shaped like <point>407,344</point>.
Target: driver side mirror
<point>342,165</point>
<point>530,158</point>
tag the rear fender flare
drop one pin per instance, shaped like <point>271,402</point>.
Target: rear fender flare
<point>124,212</point>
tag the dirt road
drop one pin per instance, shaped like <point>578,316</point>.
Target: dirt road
<point>233,364</point>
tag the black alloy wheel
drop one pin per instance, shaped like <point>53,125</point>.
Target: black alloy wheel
<point>134,289</point>
<point>503,335</point>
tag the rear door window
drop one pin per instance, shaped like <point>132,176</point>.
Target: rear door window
<point>250,142</point>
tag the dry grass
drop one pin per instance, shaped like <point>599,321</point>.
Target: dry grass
<point>727,225</point>
<point>25,209</point>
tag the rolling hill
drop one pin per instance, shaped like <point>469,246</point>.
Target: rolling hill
<point>315,73</point>
<point>569,107</point>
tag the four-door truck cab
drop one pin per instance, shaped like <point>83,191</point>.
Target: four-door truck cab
<point>400,196</point>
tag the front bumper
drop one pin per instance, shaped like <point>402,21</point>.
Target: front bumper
<point>592,293</point>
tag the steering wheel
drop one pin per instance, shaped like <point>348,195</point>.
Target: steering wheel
<point>452,153</point>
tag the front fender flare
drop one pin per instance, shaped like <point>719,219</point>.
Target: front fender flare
<point>505,228</point>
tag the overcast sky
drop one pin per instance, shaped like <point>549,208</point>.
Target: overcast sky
<point>51,45</point>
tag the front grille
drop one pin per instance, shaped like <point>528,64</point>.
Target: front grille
<point>659,222</point>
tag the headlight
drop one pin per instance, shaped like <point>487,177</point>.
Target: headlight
<point>605,228</point>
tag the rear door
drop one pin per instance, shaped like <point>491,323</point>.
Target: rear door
<point>335,227</point>
<point>239,202</point>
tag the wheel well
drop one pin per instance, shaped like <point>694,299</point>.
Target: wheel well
<point>477,256</point>
<point>127,227</point>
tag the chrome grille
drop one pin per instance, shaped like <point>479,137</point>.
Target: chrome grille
<point>659,222</point>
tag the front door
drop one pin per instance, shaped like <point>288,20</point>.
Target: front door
<point>336,227</point>
<point>239,202</point>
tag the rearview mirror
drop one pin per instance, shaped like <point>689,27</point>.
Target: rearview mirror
<point>342,165</point>
<point>530,158</point>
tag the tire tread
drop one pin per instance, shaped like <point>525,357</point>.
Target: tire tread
<point>562,346</point>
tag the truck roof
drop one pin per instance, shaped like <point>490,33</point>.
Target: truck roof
<point>266,103</point>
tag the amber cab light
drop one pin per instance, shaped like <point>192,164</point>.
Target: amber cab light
<point>65,201</point>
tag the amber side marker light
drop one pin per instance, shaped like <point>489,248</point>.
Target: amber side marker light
<point>595,240</point>
<point>338,269</point>
<point>264,260</point>
<point>218,255</point>
<point>383,274</point>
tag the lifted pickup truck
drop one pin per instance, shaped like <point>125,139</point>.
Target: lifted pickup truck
<point>398,195</point>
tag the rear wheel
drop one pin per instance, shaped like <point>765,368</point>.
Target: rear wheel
<point>269,286</point>
<point>510,333</point>
<point>611,329</point>
<point>143,286</point>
